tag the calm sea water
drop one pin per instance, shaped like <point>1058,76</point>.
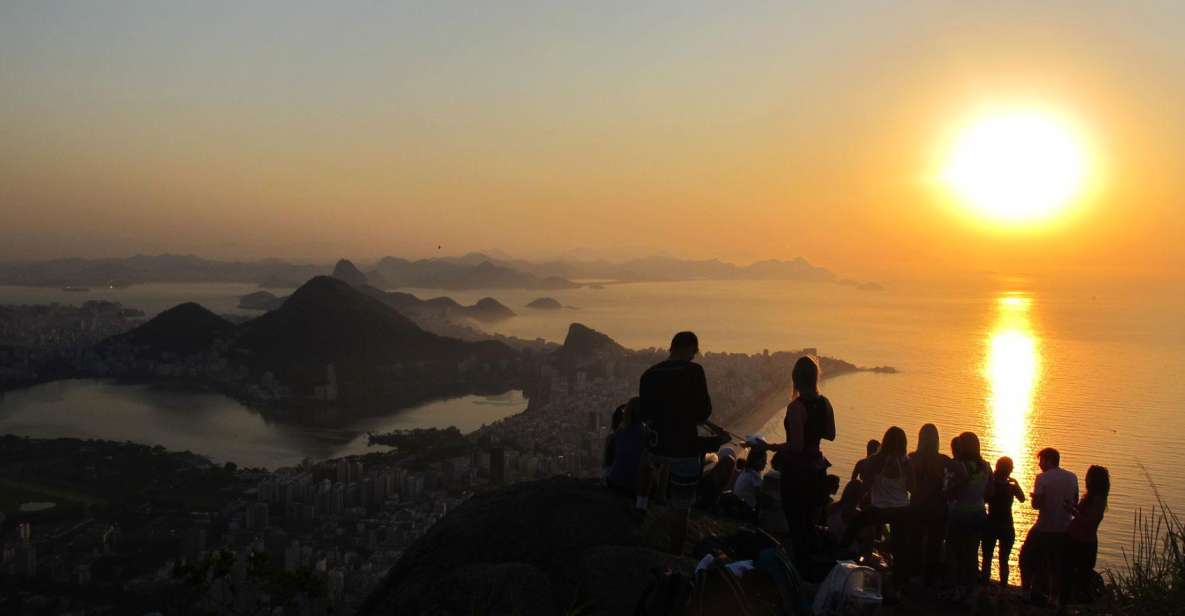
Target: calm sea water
<point>1096,372</point>
<point>219,427</point>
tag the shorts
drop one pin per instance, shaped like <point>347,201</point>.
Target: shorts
<point>684,476</point>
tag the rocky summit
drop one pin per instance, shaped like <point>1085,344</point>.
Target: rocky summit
<point>553,546</point>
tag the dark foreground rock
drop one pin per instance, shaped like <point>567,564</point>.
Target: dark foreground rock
<point>554,546</point>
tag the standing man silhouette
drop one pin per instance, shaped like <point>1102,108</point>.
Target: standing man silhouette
<point>674,399</point>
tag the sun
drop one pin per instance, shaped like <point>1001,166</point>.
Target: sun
<point>1016,167</point>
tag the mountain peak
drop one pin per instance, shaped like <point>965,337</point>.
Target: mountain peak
<point>584,340</point>
<point>183,329</point>
<point>346,271</point>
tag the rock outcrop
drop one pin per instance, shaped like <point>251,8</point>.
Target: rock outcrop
<point>535,548</point>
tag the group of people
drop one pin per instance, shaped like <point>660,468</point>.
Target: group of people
<point>935,519</point>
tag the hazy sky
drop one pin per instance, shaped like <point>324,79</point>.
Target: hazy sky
<point>732,130</point>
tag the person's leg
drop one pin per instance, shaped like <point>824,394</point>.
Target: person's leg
<point>645,482</point>
<point>1071,557</point>
<point>1056,559</point>
<point>1005,553</point>
<point>935,533</point>
<point>1027,562</point>
<point>684,476</point>
<point>989,550</point>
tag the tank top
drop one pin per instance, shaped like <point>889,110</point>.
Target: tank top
<point>891,492</point>
<point>813,423</point>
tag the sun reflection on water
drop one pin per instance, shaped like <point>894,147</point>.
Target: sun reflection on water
<point>1012,369</point>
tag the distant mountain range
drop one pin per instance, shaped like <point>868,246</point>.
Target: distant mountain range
<point>470,271</point>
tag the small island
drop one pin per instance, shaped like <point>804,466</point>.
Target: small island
<point>545,303</point>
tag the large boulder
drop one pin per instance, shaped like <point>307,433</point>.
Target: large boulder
<point>542,547</point>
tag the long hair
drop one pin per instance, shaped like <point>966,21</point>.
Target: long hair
<point>927,461</point>
<point>805,377</point>
<point>1098,485</point>
<point>892,452</point>
<point>969,451</point>
<point>927,441</point>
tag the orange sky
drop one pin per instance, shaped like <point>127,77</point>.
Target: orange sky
<point>740,132</point>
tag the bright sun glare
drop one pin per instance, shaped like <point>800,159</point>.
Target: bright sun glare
<point>1016,167</point>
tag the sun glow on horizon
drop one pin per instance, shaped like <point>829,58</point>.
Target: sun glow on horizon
<point>1016,167</point>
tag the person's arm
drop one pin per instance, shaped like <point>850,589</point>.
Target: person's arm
<point>1017,493</point>
<point>989,488</point>
<point>857,470</point>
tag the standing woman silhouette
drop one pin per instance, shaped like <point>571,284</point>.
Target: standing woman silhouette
<point>809,420</point>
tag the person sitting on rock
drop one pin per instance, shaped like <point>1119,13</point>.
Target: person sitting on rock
<point>674,401</point>
<point>629,445</point>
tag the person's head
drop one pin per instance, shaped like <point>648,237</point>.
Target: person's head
<point>1098,485</point>
<point>1049,458</point>
<point>727,453</point>
<point>954,448</point>
<point>928,440</point>
<point>757,460</point>
<point>805,377</point>
<point>872,447</point>
<point>852,493</point>
<point>742,464</point>
<point>684,346</point>
<point>833,484</point>
<point>633,412</point>
<point>618,417</point>
<point>894,444</point>
<point>969,448</point>
<point>1004,467</point>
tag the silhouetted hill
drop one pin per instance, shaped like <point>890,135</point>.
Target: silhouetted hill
<point>486,310</point>
<point>347,272</point>
<point>535,548</point>
<point>184,329</point>
<point>327,321</point>
<point>583,341</point>
<point>260,300</point>
<point>489,310</point>
<point>446,274</point>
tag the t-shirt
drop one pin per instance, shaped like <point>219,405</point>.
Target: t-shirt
<point>674,397</point>
<point>746,487</point>
<point>1055,492</point>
